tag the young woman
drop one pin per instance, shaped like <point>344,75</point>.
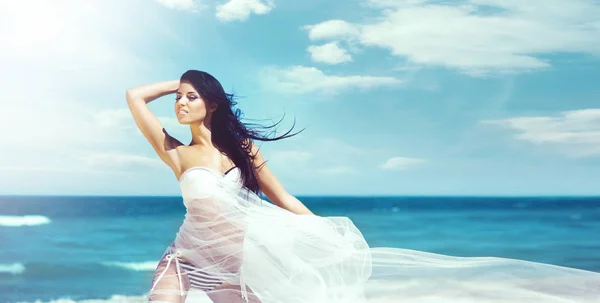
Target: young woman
<point>221,144</point>
<point>235,247</point>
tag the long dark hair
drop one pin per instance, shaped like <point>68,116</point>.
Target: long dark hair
<point>229,134</point>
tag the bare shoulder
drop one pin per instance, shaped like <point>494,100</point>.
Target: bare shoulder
<point>193,156</point>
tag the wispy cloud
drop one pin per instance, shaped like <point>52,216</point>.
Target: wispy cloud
<point>86,161</point>
<point>73,70</point>
<point>52,127</point>
<point>118,161</point>
<point>576,133</point>
<point>240,10</point>
<point>330,53</point>
<point>336,147</point>
<point>170,122</point>
<point>476,37</point>
<point>40,168</point>
<point>184,5</point>
<point>401,163</point>
<point>302,79</point>
<point>118,118</point>
<point>71,63</point>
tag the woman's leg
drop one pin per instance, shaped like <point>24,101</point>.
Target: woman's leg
<point>227,293</point>
<point>166,283</point>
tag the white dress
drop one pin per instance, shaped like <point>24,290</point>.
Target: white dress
<point>235,247</point>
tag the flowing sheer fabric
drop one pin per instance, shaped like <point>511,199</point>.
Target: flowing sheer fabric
<point>235,247</point>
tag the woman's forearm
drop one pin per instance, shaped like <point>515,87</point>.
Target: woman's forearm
<point>149,92</point>
<point>294,205</point>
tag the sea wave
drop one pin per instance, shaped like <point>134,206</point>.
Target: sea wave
<point>193,297</point>
<point>136,266</point>
<point>112,299</point>
<point>18,221</point>
<point>34,270</point>
<point>14,268</point>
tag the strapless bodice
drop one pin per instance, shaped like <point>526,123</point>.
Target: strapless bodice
<point>201,182</point>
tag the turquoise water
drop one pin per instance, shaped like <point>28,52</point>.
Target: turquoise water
<point>99,247</point>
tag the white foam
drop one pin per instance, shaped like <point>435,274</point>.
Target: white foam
<point>17,221</point>
<point>200,297</point>
<point>192,297</point>
<point>112,299</point>
<point>136,266</point>
<point>15,268</point>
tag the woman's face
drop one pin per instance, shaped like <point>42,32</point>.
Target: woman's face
<point>189,106</point>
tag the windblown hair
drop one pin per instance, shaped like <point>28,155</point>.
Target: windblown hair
<point>229,134</point>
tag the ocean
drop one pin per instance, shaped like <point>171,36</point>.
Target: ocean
<point>104,249</point>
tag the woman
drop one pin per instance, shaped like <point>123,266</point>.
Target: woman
<point>235,247</point>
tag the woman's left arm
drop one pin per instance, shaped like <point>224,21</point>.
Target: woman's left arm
<point>273,189</point>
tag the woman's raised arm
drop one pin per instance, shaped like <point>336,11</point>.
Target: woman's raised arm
<point>137,100</point>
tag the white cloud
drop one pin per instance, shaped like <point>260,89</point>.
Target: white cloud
<point>118,161</point>
<point>332,29</point>
<point>171,122</point>
<point>83,161</point>
<point>330,53</point>
<point>56,138</point>
<point>401,163</point>
<point>476,37</point>
<point>302,79</point>
<point>240,10</point>
<point>189,5</point>
<point>39,168</point>
<point>576,133</point>
<point>51,126</point>
<point>76,139</point>
<point>395,3</point>
<point>119,118</point>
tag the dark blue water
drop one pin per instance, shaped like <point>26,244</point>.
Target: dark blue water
<point>98,247</point>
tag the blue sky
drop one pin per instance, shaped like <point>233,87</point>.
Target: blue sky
<point>406,97</point>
